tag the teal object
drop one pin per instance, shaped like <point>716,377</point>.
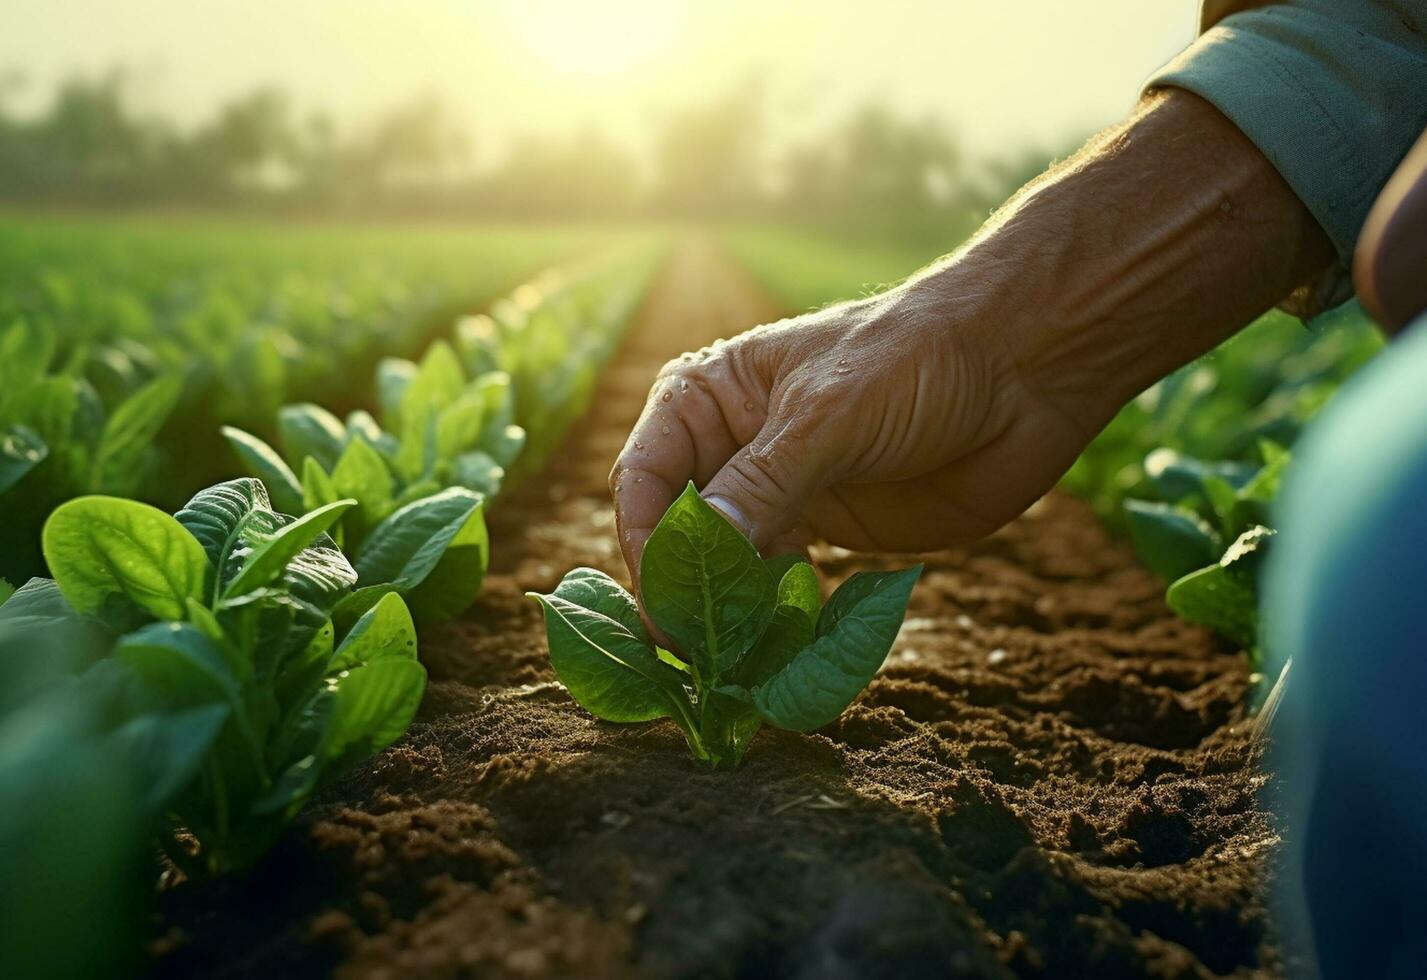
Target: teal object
<point>1345,595</point>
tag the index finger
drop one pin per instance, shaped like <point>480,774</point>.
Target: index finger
<point>683,434</point>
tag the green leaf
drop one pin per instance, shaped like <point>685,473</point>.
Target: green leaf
<point>102,546</point>
<point>49,407</point>
<point>1263,488</point>
<point>498,421</point>
<point>594,590</point>
<point>437,383</point>
<point>845,599</point>
<point>1171,540</point>
<point>361,425</point>
<point>180,666</point>
<point>824,679</point>
<point>610,671</point>
<point>385,632</point>
<point>26,350</point>
<point>165,749</point>
<point>789,633</point>
<point>1224,500</point>
<point>39,601</point>
<point>311,430</point>
<point>420,490</point>
<point>1220,599</point>
<point>356,603</point>
<point>362,474</point>
<point>416,452</point>
<point>456,580</point>
<point>271,555</point>
<point>301,672</point>
<point>1176,476</point>
<point>458,425</point>
<point>21,450</point>
<point>233,519</point>
<point>404,548</point>
<point>129,433</point>
<point>317,488</point>
<point>265,463</point>
<point>705,586</point>
<point>394,376</point>
<point>505,444</point>
<point>798,587</point>
<point>215,515</point>
<point>478,471</point>
<point>373,707</point>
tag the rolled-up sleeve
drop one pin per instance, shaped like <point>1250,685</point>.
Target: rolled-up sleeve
<point>1334,92</point>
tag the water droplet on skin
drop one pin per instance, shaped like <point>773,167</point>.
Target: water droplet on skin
<point>639,479</point>
<point>748,406</point>
<point>665,430</point>
<point>667,396</point>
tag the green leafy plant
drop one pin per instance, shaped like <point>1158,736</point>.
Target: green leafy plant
<point>57,440</point>
<point>418,527</point>
<point>1207,535</point>
<point>223,611</point>
<point>754,643</point>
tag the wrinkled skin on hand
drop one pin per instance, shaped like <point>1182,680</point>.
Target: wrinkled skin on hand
<point>869,425</point>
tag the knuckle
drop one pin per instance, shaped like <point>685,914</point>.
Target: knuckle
<point>770,469</point>
<point>616,475</point>
<point>754,491</point>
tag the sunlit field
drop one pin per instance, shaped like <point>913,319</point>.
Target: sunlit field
<point>321,327</point>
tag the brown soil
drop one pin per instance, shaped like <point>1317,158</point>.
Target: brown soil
<point>1045,779</point>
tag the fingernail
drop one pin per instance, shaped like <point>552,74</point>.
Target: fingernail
<point>729,510</point>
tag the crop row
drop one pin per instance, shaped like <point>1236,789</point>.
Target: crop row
<point>193,678</point>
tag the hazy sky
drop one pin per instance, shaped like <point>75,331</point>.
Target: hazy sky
<point>1006,73</point>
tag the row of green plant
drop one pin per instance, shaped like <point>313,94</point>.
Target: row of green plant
<point>125,342</point>
<point>253,317</point>
<point>1191,469</point>
<point>450,432</point>
<point>221,664</point>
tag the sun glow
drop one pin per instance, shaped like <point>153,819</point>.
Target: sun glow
<point>602,39</point>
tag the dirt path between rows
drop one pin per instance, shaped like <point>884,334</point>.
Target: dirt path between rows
<point>1045,779</point>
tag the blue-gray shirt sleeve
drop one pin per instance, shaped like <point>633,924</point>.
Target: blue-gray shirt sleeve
<point>1334,92</point>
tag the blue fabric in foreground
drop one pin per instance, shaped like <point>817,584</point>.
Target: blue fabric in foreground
<point>1346,597</point>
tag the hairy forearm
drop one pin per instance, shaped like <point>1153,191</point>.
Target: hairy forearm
<point>1160,239</point>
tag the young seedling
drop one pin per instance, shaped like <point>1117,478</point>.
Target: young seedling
<point>754,642</point>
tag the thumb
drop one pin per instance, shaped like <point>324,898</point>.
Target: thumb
<point>764,486</point>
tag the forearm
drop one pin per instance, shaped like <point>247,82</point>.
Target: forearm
<point>1159,240</point>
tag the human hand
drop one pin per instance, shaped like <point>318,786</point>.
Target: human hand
<point>880,425</point>
<point>935,412</point>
